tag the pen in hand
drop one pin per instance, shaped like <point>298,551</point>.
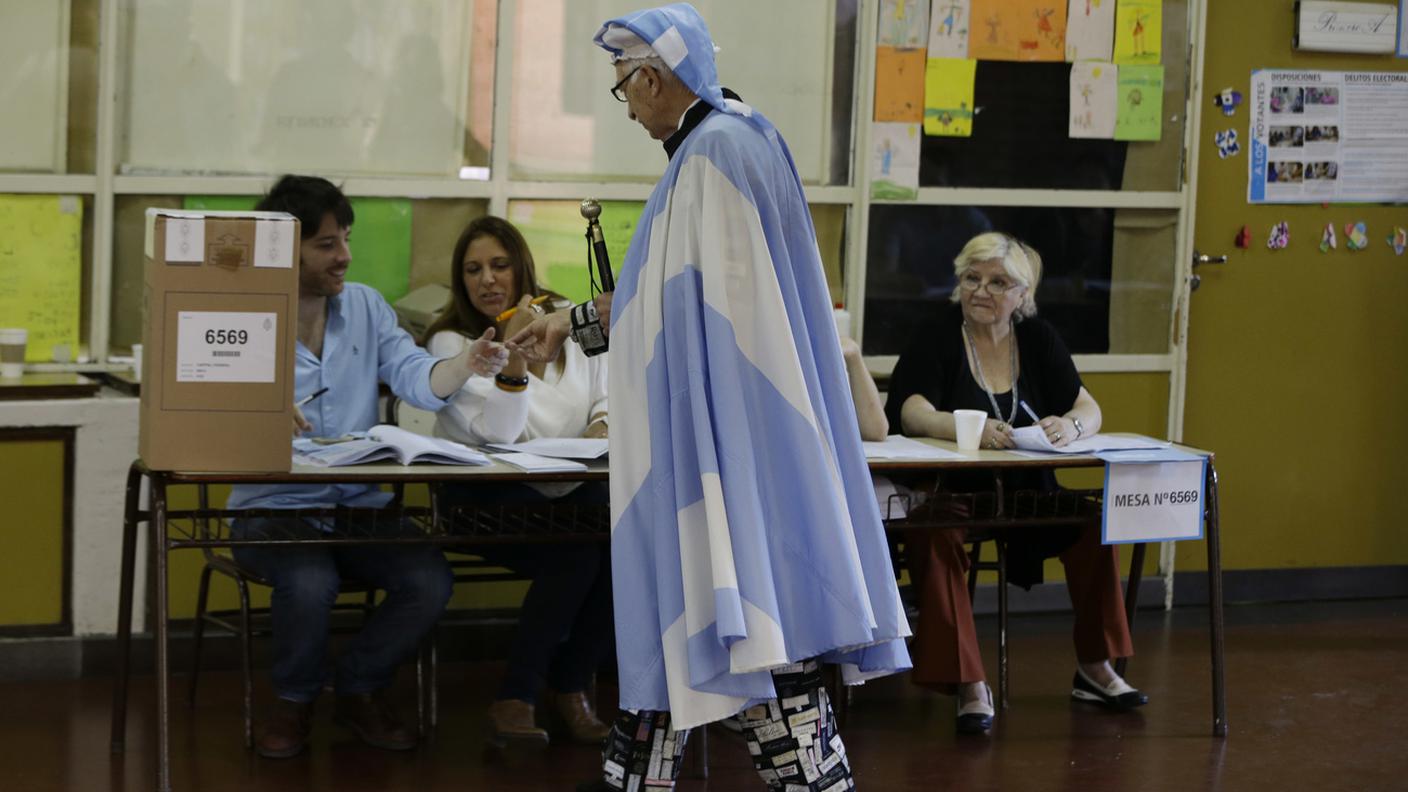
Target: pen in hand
<point>310,397</point>
<point>506,315</point>
<point>1027,408</point>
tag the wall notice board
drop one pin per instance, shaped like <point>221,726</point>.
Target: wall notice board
<point>41,270</point>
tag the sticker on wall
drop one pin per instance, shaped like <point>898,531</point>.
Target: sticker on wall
<point>1327,238</point>
<point>1227,99</point>
<point>1244,238</point>
<point>1280,236</point>
<point>1356,236</point>
<point>1398,240</point>
<point>1227,145</point>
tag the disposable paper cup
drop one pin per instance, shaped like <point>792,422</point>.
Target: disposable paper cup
<point>969,426</point>
<point>137,362</point>
<point>12,344</point>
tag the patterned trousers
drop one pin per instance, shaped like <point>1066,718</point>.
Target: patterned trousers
<point>793,741</point>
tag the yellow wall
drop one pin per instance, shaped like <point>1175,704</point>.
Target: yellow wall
<point>32,564</point>
<point>1296,375</point>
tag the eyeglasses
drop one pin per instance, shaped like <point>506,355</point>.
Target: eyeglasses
<point>617,92</point>
<point>996,287</point>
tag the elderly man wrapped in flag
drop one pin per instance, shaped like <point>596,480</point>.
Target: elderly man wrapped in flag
<point>747,548</point>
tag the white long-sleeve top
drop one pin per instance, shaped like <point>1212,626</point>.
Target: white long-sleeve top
<point>555,405</point>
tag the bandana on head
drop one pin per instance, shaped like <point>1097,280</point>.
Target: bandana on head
<point>678,35</point>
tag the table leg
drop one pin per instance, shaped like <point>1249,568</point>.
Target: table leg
<point>1214,543</point>
<point>163,636</point>
<point>1131,596</point>
<point>118,735</point>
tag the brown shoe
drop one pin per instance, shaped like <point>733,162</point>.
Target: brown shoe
<point>511,719</point>
<point>285,732</point>
<point>372,718</point>
<point>576,715</point>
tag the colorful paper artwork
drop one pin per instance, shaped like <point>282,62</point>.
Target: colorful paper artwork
<point>1227,145</point>
<point>948,28</point>
<point>1227,99</point>
<point>1017,30</point>
<point>899,84</point>
<point>1356,236</point>
<point>1138,31</point>
<point>1244,238</point>
<point>948,96</point>
<point>1327,238</point>
<point>894,161</point>
<point>1090,30</point>
<point>1094,92</point>
<point>1398,240</point>
<point>1280,236</point>
<point>1140,103</point>
<point>904,24</point>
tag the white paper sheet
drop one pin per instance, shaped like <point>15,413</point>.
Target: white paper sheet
<point>540,464</point>
<point>1090,30</point>
<point>1094,100</point>
<point>948,29</point>
<point>899,447</point>
<point>559,447</point>
<point>1033,438</point>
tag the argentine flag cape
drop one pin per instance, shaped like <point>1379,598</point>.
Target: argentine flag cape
<point>745,532</point>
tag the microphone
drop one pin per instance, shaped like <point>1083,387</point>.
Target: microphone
<point>591,210</point>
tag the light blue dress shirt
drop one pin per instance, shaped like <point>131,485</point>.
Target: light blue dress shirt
<point>362,344</point>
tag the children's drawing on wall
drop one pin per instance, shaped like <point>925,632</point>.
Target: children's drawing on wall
<point>1141,99</point>
<point>904,23</point>
<point>894,161</point>
<point>1138,31</point>
<point>948,29</point>
<point>1025,30</point>
<point>1094,88</point>
<point>1090,30</point>
<point>948,97</point>
<point>899,84</point>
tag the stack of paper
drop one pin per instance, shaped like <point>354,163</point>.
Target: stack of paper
<point>559,447</point>
<point>1033,438</point>
<point>899,447</point>
<point>540,464</point>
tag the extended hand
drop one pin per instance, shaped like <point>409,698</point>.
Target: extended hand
<point>300,424</point>
<point>596,429</point>
<point>542,340</point>
<point>485,357</point>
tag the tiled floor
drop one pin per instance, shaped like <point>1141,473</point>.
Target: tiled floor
<point>1316,694</point>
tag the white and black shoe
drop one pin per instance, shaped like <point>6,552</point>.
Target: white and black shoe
<point>1117,696</point>
<point>975,717</point>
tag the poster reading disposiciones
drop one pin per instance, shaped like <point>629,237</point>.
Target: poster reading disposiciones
<point>1328,136</point>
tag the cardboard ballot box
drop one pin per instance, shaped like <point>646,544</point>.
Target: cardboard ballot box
<point>221,301</point>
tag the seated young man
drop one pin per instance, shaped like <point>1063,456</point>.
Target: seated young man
<point>348,339</point>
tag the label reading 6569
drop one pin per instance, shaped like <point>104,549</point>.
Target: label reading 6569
<point>226,346</point>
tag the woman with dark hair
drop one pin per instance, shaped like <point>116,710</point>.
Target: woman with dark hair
<point>565,628</point>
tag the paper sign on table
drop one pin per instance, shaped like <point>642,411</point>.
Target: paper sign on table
<point>1139,31</point>
<point>1018,30</point>
<point>1094,88</point>
<point>903,23</point>
<point>899,84</point>
<point>1090,30</point>
<point>1140,103</point>
<point>894,161</point>
<point>1153,501</point>
<point>948,29</point>
<point>948,97</point>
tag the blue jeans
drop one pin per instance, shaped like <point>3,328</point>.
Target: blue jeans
<point>565,626</point>
<point>306,580</point>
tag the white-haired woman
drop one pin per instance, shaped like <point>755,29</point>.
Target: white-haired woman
<point>990,352</point>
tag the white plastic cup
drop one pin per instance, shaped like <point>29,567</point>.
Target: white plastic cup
<point>12,344</point>
<point>137,362</point>
<point>968,425</point>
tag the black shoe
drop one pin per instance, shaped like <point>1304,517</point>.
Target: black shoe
<point>975,717</point>
<point>1118,696</point>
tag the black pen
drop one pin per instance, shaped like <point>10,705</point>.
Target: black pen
<point>310,397</point>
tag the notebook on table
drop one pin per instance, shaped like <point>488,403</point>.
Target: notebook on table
<point>383,442</point>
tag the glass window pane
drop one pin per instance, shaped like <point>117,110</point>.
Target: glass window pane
<point>265,86</point>
<point>398,245</point>
<point>1107,280</point>
<point>1020,132</point>
<point>48,86</point>
<point>565,124</point>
